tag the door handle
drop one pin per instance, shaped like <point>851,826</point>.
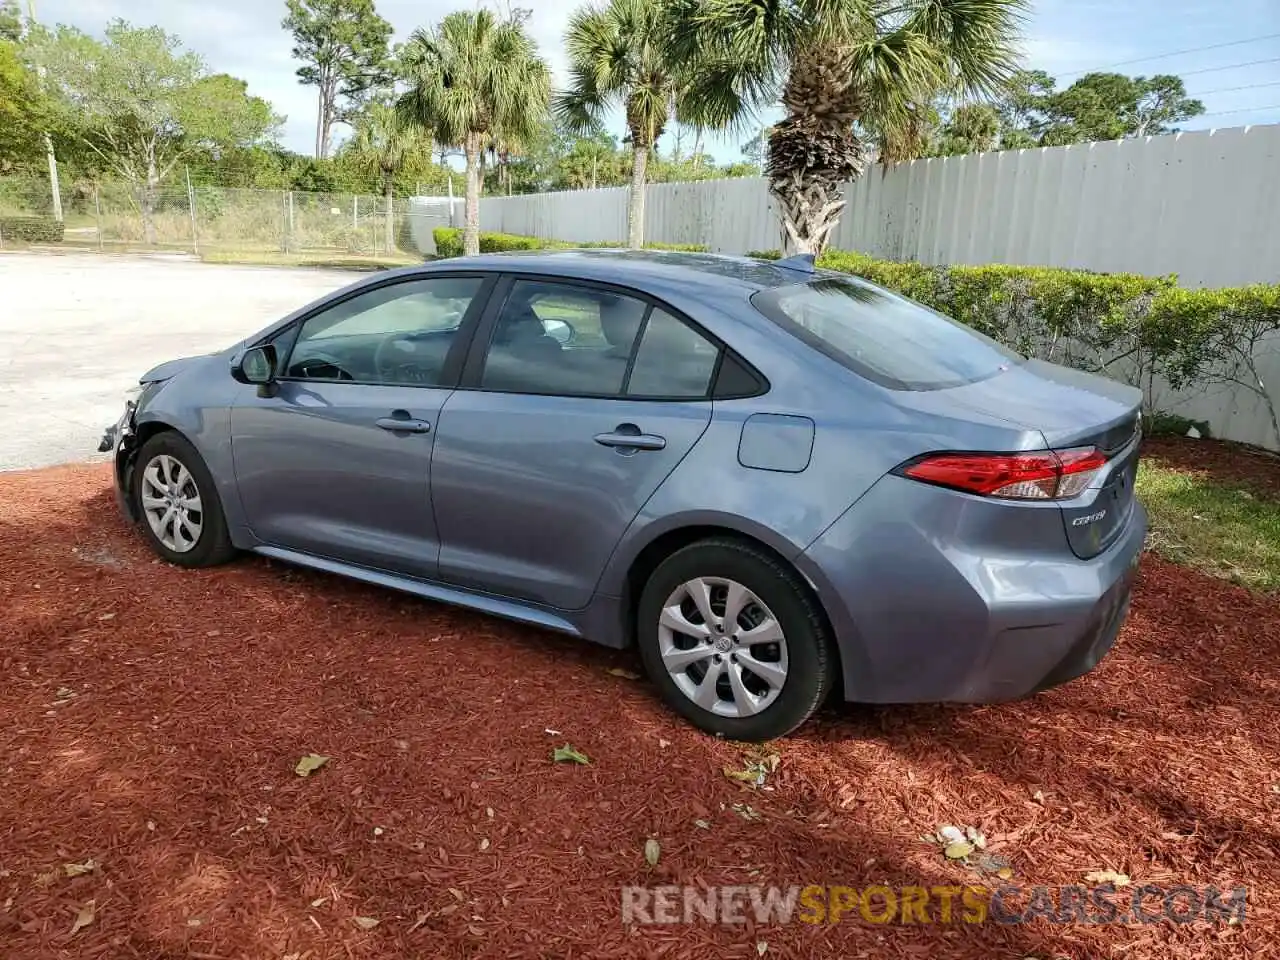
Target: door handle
<point>632,439</point>
<point>403,423</point>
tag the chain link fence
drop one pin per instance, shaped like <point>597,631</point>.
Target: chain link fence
<point>118,217</point>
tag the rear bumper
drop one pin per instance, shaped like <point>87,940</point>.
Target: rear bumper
<point>921,619</point>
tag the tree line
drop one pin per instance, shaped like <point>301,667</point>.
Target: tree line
<point>858,82</point>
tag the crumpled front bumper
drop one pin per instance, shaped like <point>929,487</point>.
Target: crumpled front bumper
<point>120,440</point>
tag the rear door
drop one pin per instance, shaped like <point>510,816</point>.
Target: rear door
<point>557,438</point>
<point>334,461</point>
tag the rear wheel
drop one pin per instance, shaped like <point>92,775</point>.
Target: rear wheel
<point>176,498</point>
<point>734,640</point>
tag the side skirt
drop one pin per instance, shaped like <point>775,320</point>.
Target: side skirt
<point>483,602</point>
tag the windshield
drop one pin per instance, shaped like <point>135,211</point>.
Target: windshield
<point>888,339</point>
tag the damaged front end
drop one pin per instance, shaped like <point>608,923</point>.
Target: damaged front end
<point>121,440</point>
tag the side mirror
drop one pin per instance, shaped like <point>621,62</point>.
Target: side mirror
<point>257,365</point>
<point>558,330</point>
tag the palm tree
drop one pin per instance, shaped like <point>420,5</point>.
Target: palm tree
<point>383,141</point>
<point>839,68</point>
<point>475,80</point>
<point>617,58</point>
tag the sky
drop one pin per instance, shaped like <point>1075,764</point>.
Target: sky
<point>1064,37</point>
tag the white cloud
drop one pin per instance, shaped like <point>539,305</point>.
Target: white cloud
<point>244,38</point>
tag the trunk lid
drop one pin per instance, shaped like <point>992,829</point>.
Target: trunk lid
<point>1070,408</point>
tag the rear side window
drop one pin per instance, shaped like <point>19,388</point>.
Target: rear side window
<point>888,339</point>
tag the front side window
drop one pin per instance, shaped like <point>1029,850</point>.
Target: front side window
<point>399,334</point>
<point>886,338</point>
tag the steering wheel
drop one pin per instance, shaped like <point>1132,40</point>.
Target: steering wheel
<point>383,361</point>
<point>320,366</point>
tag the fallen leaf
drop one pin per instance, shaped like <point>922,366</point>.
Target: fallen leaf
<point>666,743</point>
<point>1038,797</point>
<point>79,869</point>
<point>568,753</point>
<point>458,894</point>
<point>64,693</point>
<point>310,764</point>
<point>702,824</point>
<point>958,850</point>
<point>652,851</point>
<point>950,834</point>
<point>1004,873</point>
<point>484,843</point>
<point>1107,876</point>
<point>746,811</point>
<point>762,947</point>
<point>624,674</point>
<point>320,902</point>
<point>84,918</point>
<point>366,923</point>
<point>976,837</point>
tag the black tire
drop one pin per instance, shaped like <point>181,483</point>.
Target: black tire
<point>213,545</point>
<point>812,667</point>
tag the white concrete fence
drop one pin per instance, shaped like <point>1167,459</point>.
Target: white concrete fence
<point>1202,205</point>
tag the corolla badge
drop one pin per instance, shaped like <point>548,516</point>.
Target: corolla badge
<point>1091,518</point>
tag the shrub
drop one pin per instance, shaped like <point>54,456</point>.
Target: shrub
<point>31,229</point>
<point>620,245</point>
<point>449,243</point>
<point>1173,425</point>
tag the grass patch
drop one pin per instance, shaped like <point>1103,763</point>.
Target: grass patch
<point>332,261</point>
<point>1215,527</point>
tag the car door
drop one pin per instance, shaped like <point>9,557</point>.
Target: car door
<point>558,437</point>
<point>333,459</point>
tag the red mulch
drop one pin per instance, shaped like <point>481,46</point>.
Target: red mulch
<point>1250,467</point>
<point>197,692</point>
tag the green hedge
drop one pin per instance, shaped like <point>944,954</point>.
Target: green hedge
<point>449,243</point>
<point>612,245</point>
<point>31,229</point>
<point>1124,325</point>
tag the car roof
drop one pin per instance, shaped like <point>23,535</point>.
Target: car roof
<point>643,269</point>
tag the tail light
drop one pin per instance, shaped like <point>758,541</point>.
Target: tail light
<point>1039,475</point>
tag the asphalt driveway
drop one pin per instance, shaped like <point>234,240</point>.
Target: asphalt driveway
<point>77,330</point>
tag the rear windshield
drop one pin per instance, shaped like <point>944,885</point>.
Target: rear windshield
<point>890,340</point>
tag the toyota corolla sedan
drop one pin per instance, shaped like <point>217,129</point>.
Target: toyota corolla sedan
<point>776,481</point>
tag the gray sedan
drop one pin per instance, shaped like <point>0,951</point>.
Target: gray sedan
<point>775,481</point>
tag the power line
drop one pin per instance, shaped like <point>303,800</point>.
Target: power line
<point>1223,113</point>
<point>1176,53</point>
<point>1251,86</point>
<point>1229,66</point>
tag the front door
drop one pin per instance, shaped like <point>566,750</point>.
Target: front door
<point>336,462</point>
<point>540,467</point>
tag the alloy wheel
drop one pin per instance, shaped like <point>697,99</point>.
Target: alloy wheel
<point>171,503</point>
<point>722,646</point>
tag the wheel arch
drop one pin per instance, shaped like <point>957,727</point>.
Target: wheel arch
<point>667,541</point>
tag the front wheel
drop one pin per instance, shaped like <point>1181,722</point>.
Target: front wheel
<point>176,498</point>
<point>734,640</point>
